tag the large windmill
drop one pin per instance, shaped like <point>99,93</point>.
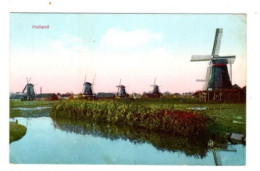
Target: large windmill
<point>121,90</point>
<point>217,76</point>
<point>28,90</point>
<point>87,88</point>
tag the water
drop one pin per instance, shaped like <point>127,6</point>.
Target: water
<point>32,108</point>
<point>68,142</point>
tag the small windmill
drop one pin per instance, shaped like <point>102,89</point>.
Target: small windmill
<point>87,88</point>
<point>217,76</point>
<point>28,90</point>
<point>156,90</point>
<point>121,90</point>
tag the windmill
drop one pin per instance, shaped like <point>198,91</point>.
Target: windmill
<point>121,90</point>
<point>87,88</point>
<point>28,90</point>
<point>217,76</point>
<point>156,90</point>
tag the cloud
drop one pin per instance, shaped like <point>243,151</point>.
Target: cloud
<point>126,40</point>
<point>67,42</point>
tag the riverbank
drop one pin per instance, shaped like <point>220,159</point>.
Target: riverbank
<point>17,131</point>
<point>145,113</point>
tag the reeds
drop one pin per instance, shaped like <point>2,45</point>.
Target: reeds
<point>135,114</point>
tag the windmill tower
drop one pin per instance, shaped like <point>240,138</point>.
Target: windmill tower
<point>87,88</point>
<point>28,90</point>
<point>156,90</point>
<point>217,76</point>
<point>121,90</point>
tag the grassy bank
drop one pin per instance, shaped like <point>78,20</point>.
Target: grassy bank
<point>17,131</point>
<point>20,108</point>
<point>186,123</point>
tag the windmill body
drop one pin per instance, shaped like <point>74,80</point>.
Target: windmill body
<point>121,92</point>
<point>156,89</point>
<point>28,91</point>
<point>217,76</point>
<point>87,89</point>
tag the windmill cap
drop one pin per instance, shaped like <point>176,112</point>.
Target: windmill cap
<point>87,83</point>
<point>122,86</point>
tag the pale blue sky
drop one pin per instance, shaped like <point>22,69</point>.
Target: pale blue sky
<point>121,44</point>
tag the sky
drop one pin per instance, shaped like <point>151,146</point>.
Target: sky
<point>136,48</point>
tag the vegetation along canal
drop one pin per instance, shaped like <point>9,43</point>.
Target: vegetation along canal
<point>151,131</point>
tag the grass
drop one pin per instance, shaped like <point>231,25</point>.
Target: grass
<point>29,104</point>
<point>17,131</point>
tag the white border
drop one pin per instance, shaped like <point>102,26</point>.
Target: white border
<point>251,8</point>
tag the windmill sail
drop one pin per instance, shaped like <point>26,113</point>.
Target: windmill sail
<point>24,88</point>
<point>119,86</point>
<point>217,42</point>
<point>195,58</point>
<point>217,76</point>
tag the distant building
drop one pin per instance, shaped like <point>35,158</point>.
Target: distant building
<point>17,96</point>
<point>47,96</point>
<point>65,96</point>
<point>136,96</point>
<point>176,95</point>
<point>105,95</point>
<point>234,95</point>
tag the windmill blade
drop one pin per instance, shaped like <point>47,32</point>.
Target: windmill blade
<point>93,83</point>
<point>207,77</point>
<point>119,86</point>
<point>218,158</point>
<point>154,81</point>
<point>24,88</point>
<point>217,41</point>
<point>94,79</point>
<point>29,80</point>
<point>85,78</point>
<point>195,58</point>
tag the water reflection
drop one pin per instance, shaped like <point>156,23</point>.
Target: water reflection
<point>161,141</point>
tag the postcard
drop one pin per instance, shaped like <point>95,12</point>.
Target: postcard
<point>128,88</point>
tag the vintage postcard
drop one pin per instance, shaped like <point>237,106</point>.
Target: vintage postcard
<point>128,89</point>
